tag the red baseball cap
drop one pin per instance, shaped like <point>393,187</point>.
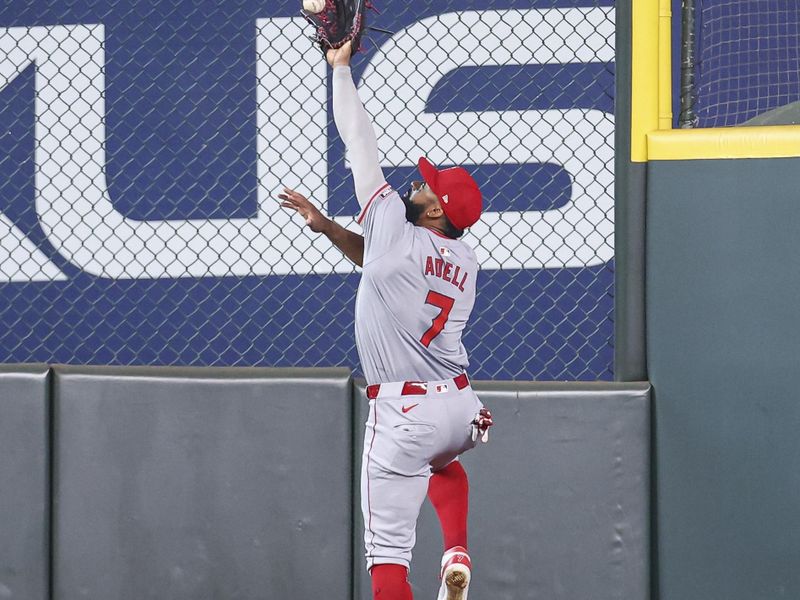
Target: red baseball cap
<point>457,190</point>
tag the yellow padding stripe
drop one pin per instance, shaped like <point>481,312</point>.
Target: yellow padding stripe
<point>737,142</point>
<point>644,75</point>
<point>664,65</point>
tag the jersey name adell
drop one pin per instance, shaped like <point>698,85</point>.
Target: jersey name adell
<point>416,294</point>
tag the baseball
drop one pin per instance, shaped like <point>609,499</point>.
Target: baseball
<point>313,6</point>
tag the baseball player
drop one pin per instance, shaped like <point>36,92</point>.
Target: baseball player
<point>415,296</point>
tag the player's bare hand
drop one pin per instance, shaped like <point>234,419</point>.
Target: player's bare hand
<point>315,220</point>
<point>340,57</point>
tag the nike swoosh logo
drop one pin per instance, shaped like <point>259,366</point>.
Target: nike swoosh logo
<point>405,409</point>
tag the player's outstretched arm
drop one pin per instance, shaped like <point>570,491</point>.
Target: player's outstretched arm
<point>349,242</point>
<point>355,127</point>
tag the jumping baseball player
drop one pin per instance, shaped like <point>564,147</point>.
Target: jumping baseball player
<point>416,294</point>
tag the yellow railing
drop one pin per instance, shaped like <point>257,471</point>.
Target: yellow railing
<point>652,135</point>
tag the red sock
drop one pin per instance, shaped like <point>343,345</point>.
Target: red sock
<point>390,582</point>
<point>448,491</point>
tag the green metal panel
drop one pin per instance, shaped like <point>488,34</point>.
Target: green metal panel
<point>629,215</point>
<point>723,342</point>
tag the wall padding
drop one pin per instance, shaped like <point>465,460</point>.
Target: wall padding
<point>559,496</point>
<point>202,483</point>
<point>24,482</point>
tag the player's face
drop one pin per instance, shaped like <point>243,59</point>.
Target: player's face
<point>417,199</point>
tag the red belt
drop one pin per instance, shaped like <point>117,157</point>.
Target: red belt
<point>416,388</point>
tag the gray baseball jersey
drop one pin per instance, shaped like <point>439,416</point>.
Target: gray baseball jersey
<point>416,294</point>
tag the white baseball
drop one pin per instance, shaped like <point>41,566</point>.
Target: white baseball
<point>313,6</point>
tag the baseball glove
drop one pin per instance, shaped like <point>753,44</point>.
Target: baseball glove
<point>341,21</point>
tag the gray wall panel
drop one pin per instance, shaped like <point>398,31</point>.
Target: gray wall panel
<point>24,482</point>
<point>202,484</point>
<point>629,218</point>
<point>559,497</point>
<point>630,363</point>
<point>724,354</point>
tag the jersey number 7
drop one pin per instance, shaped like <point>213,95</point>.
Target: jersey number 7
<point>446,304</point>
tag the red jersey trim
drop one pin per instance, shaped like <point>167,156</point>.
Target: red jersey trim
<point>375,195</point>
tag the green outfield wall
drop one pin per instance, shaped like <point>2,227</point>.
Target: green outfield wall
<point>708,224</point>
<point>723,349</point>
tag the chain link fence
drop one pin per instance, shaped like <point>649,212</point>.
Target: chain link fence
<point>144,144</point>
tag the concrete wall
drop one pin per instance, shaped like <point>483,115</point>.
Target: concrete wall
<point>240,483</point>
<point>724,352</point>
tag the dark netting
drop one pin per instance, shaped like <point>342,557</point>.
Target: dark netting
<point>747,59</point>
<point>144,143</point>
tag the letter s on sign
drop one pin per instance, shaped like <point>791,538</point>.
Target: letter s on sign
<point>579,234</point>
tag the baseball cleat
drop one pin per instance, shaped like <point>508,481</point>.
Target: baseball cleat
<point>455,574</point>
